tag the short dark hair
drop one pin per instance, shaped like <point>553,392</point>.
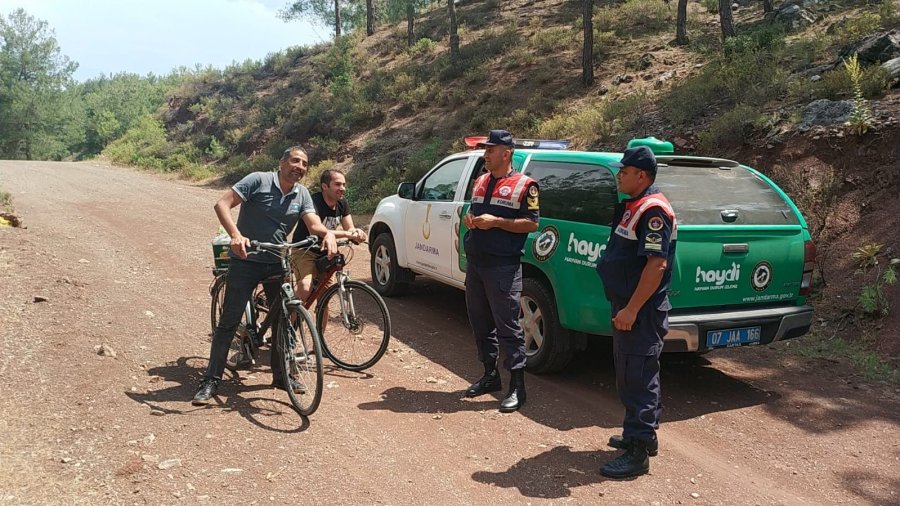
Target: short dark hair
<point>287,152</point>
<point>328,174</point>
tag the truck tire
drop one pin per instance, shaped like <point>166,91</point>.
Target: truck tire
<point>547,344</point>
<point>388,278</point>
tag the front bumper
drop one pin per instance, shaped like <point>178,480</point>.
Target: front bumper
<point>687,332</point>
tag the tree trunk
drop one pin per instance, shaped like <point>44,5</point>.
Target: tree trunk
<point>337,19</point>
<point>681,37</point>
<point>454,35</point>
<point>767,6</point>
<point>370,17</point>
<point>587,52</point>
<point>410,23</point>
<point>725,19</point>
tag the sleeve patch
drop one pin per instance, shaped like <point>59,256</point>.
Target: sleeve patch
<point>655,223</point>
<point>533,198</point>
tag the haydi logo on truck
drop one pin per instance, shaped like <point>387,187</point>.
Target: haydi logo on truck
<point>715,279</point>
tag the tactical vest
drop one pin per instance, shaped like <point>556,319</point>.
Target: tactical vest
<point>497,246</point>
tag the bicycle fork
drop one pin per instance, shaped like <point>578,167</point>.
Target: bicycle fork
<point>348,311</point>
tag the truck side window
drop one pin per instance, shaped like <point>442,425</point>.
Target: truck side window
<point>575,191</point>
<point>440,184</point>
<point>477,171</point>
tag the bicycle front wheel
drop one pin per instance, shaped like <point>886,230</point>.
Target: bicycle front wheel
<point>302,372</point>
<point>217,292</point>
<point>354,324</point>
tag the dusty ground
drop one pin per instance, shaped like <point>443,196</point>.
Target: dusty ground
<point>123,259</point>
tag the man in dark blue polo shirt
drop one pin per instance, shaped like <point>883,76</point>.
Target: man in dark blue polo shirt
<point>271,204</point>
<point>504,210</point>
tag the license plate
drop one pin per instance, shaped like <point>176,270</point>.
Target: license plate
<point>726,338</point>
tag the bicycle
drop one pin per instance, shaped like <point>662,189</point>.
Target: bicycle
<point>358,316</point>
<point>354,315</point>
<point>292,325</point>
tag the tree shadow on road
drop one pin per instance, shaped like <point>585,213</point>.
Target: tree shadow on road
<point>265,412</point>
<point>552,474</point>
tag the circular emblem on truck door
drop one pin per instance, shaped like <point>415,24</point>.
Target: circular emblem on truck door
<point>761,276</point>
<point>545,243</point>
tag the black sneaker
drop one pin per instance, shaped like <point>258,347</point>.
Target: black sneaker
<point>297,386</point>
<point>208,388</point>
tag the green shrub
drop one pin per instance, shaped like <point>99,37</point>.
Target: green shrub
<point>142,146</point>
<point>887,11</point>
<point>519,56</point>
<point>422,160</point>
<point>216,150</point>
<point>364,198</point>
<point>604,42</point>
<point>635,17</point>
<point>581,124</point>
<point>747,76</point>
<point>872,298</point>
<point>691,99</point>
<point>834,85</point>
<point>852,29</point>
<point>554,39</point>
<point>422,46</point>
<point>711,6</point>
<point>730,129</point>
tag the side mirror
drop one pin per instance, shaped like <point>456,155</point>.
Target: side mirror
<point>406,190</point>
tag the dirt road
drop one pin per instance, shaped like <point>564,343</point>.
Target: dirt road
<point>123,259</point>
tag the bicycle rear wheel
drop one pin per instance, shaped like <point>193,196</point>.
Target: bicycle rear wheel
<point>354,324</point>
<point>302,359</point>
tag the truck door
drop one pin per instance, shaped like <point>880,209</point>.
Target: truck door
<point>432,219</point>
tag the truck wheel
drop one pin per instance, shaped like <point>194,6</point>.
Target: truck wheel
<point>547,344</point>
<point>388,278</point>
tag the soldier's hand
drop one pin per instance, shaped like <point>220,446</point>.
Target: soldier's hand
<point>624,319</point>
<point>467,220</point>
<point>485,221</point>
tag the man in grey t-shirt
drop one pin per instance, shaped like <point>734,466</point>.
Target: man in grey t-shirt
<point>271,204</point>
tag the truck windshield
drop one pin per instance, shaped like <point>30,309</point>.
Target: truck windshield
<point>722,195</point>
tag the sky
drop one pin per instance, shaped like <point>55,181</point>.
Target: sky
<point>143,36</point>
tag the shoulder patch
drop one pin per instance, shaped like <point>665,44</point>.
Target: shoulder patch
<point>656,223</point>
<point>533,198</point>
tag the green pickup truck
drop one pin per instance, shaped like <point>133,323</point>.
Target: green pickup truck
<point>743,266</point>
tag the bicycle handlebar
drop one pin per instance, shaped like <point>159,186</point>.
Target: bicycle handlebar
<point>284,247</point>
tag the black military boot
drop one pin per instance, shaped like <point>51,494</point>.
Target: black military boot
<point>488,383</point>
<point>634,462</point>
<point>617,441</point>
<point>515,398</point>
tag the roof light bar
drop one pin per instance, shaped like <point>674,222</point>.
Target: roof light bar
<point>472,142</point>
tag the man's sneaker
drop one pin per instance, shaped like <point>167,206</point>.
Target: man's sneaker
<point>208,388</point>
<point>297,386</point>
<point>617,441</point>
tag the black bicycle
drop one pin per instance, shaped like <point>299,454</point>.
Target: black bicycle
<point>292,325</point>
